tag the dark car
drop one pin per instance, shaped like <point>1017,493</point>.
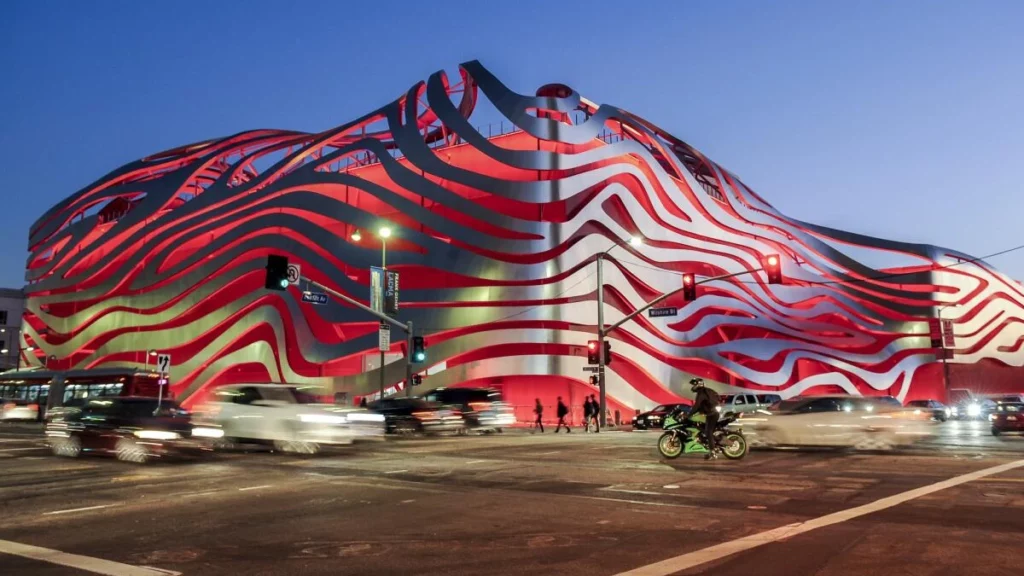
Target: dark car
<point>482,408</point>
<point>132,429</point>
<point>417,416</point>
<point>938,410</point>
<point>654,419</point>
<point>1007,417</point>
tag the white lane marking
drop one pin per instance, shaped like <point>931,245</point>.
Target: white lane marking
<point>395,471</point>
<point>407,501</point>
<point>476,462</point>
<point>671,486</point>
<point>255,487</point>
<point>627,491</point>
<point>712,553</point>
<point>97,565</point>
<point>22,449</point>
<point>70,510</point>
<point>631,501</point>
<point>549,453</point>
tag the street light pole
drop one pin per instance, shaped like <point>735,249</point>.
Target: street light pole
<point>942,346</point>
<point>601,332</point>
<point>384,267</point>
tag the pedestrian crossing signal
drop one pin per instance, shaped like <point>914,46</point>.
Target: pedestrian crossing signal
<point>594,380</point>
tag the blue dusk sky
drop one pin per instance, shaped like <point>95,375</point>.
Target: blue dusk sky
<point>896,119</point>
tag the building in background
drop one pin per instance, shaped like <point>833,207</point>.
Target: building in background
<point>495,231</point>
<point>12,302</point>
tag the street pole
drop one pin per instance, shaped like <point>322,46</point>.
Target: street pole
<point>408,361</point>
<point>384,267</point>
<point>600,340</point>
<point>942,346</point>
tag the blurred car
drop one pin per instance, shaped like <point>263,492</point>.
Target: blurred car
<point>740,403</point>
<point>654,419</point>
<point>286,418</point>
<point>482,408</point>
<point>973,408</point>
<point>417,416</point>
<point>132,429</point>
<point>938,410</point>
<point>1007,417</point>
<point>863,423</point>
<point>19,410</point>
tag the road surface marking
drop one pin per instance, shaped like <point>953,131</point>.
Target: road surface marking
<point>671,486</point>
<point>22,449</point>
<point>649,493</point>
<point>630,501</point>
<point>712,553</point>
<point>69,511</point>
<point>25,439</point>
<point>407,501</point>
<point>1001,479</point>
<point>255,487</point>
<point>548,453</point>
<point>97,565</point>
<point>395,471</point>
<point>476,462</point>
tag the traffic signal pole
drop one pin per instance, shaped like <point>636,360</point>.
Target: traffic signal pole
<point>383,318</point>
<point>601,360</point>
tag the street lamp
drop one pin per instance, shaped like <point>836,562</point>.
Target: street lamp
<point>148,354</point>
<point>634,241</point>
<point>384,233</point>
<point>17,365</point>
<point>356,236</point>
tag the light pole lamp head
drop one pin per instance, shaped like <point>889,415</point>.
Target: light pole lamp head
<point>356,236</point>
<point>152,352</point>
<point>30,348</point>
<point>636,241</point>
<point>4,351</point>
<point>384,232</point>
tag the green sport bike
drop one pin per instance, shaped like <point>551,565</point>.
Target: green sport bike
<point>684,435</point>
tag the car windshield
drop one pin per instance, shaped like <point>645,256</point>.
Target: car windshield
<point>786,405</point>
<point>918,403</point>
<point>661,408</point>
<point>1011,407</point>
<point>281,394</point>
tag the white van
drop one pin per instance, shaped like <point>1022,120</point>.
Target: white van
<point>739,403</point>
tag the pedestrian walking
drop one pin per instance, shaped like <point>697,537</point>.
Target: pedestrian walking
<point>562,411</point>
<point>595,412</point>
<point>539,411</point>
<point>588,413</point>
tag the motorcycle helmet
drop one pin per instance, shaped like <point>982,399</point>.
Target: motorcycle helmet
<point>696,384</point>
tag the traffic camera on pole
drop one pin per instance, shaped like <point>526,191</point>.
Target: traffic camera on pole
<point>772,265</point>
<point>592,352</point>
<point>419,350</point>
<point>689,287</point>
<point>277,273</point>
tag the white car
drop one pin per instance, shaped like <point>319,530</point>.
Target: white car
<point>286,417</point>
<point>863,423</point>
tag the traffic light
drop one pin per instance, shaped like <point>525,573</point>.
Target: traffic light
<point>277,273</point>
<point>772,265</point>
<point>419,350</point>
<point>417,379</point>
<point>592,352</point>
<point>607,352</point>
<point>689,287</point>
<point>594,380</point>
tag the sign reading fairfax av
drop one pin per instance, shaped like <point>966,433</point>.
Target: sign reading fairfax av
<point>314,298</point>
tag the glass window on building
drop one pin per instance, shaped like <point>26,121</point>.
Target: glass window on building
<point>3,317</point>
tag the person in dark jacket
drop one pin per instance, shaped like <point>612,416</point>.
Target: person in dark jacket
<point>587,414</point>
<point>595,412</point>
<point>562,411</point>
<point>705,401</point>
<point>539,411</point>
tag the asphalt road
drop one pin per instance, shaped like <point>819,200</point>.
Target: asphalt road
<point>586,504</point>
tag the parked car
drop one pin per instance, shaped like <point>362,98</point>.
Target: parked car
<point>740,403</point>
<point>417,416</point>
<point>482,408</point>
<point>19,410</point>
<point>654,419</point>
<point>131,428</point>
<point>863,423</point>
<point>938,410</point>
<point>286,418</point>
<point>1007,417</point>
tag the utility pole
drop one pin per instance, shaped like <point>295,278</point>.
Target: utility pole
<point>601,360</point>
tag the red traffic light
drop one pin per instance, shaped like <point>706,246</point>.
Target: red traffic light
<point>772,265</point>
<point>592,356</point>
<point>592,344</point>
<point>689,287</point>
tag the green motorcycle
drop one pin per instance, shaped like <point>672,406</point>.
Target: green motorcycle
<point>684,435</point>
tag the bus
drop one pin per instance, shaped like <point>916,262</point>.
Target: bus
<point>38,394</point>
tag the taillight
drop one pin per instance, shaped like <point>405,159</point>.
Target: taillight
<point>33,407</point>
<point>480,406</point>
<point>422,415</point>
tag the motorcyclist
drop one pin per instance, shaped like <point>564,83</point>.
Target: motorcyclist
<point>706,402</point>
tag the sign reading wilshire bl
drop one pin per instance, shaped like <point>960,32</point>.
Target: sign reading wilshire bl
<point>661,312</point>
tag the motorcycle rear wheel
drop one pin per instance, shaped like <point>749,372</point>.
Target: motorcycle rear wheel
<point>670,445</point>
<point>734,446</point>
